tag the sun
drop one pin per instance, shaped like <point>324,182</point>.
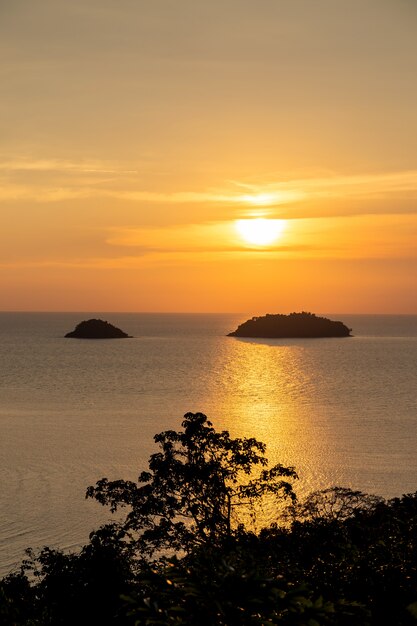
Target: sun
<point>260,231</point>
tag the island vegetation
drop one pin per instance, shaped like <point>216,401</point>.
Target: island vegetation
<point>293,325</point>
<point>97,329</point>
<point>187,552</point>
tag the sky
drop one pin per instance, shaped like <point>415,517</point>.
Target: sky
<point>136,135</point>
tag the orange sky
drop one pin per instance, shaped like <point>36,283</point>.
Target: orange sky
<point>134,135</point>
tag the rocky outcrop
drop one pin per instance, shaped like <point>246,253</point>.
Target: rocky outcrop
<point>96,329</point>
<point>292,325</point>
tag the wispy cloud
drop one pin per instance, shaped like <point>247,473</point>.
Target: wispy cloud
<point>59,165</point>
<point>148,257</point>
<point>349,236</point>
<point>336,185</point>
<point>290,191</point>
<point>309,194</point>
<point>43,194</point>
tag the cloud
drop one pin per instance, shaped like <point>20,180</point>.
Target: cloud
<point>47,194</point>
<point>57,165</point>
<point>360,235</point>
<point>264,195</point>
<point>294,198</point>
<point>337,185</point>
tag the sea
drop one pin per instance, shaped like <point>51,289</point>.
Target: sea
<point>343,411</point>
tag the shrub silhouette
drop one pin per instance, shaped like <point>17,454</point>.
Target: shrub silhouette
<point>346,558</point>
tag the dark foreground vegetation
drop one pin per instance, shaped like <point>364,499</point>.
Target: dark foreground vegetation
<point>186,553</point>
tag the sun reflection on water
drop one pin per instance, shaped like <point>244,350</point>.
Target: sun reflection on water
<point>265,390</point>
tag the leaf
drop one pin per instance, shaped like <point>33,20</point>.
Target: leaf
<point>412,609</point>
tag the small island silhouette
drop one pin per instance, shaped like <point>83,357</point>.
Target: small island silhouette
<point>97,329</point>
<point>293,325</point>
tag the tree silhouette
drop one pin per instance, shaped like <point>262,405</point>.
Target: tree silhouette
<point>333,503</point>
<point>196,490</point>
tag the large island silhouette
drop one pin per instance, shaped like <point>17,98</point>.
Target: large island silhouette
<point>97,329</point>
<point>293,325</point>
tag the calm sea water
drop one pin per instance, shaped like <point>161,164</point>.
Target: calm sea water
<point>343,411</point>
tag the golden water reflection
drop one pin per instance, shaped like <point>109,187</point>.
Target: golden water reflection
<point>340,410</point>
<point>265,388</point>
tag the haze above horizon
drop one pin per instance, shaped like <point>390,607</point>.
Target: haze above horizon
<point>197,157</point>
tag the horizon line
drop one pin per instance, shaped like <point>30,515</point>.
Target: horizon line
<point>110,312</point>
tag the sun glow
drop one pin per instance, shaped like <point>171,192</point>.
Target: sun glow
<point>260,199</point>
<point>260,231</point>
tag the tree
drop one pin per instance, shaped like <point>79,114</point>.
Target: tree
<point>333,503</point>
<point>198,488</point>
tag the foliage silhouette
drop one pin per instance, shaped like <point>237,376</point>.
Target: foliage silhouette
<point>196,488</point>
<point>334,503</point>
<point>53,588</point>
<point>345,558</point>
<point>233,589</point>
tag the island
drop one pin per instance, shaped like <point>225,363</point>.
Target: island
<point>97,329</point>
<point>302,325</point>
